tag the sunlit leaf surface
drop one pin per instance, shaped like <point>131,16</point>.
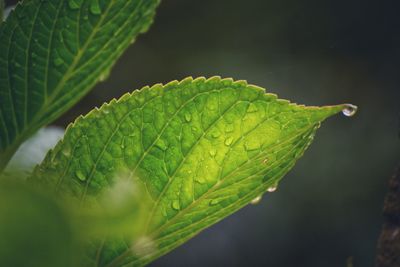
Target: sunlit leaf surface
<point>202,149</point>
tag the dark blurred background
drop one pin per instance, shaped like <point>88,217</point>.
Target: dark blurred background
<point>328,208</point>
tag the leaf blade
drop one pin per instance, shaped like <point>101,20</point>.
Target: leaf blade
<point>53,52</point>
<point>202,148</point>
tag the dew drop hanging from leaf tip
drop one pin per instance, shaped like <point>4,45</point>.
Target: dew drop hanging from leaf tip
<point>349,110</point>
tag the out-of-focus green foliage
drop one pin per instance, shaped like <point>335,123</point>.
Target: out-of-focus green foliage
<point>41,229</point>
<point>120,210</point>
<point>53,52</point>
<point>35,231</point>
<point>202,149</point>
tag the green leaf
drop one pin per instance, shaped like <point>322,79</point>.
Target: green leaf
<point>202,148</point>
<point>53,52</point>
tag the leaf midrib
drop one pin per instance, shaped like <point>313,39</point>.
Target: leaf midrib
<point>26,80</point>
<point>17,130</point>
<point>49,52</point>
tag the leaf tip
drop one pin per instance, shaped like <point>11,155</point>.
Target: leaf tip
<point>347,110</point>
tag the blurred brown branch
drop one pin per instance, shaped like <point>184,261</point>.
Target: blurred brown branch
<point>388,254</point>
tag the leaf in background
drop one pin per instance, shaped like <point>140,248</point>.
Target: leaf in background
<point>53,52</point>
<point>202,148</point>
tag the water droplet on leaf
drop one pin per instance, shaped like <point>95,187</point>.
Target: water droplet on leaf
<point>213,152</point>
<point>80,175</point>
<point>215,133</point>
<point>188,117</point>
<point>74,4</point>
<point>95,7</point>
<point>66,151</point>
<point>256,200</point>
<point>272,188</point>
<point>228,141</point>
<point>252,108</point>
<point>161,144</point>
<point>200,180</point>
<point>58,61</point>
<point>229,128</point>
<point>175,205</point>
<point>214,202</point>
<point>104,76</point>
<point>349,110</point>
